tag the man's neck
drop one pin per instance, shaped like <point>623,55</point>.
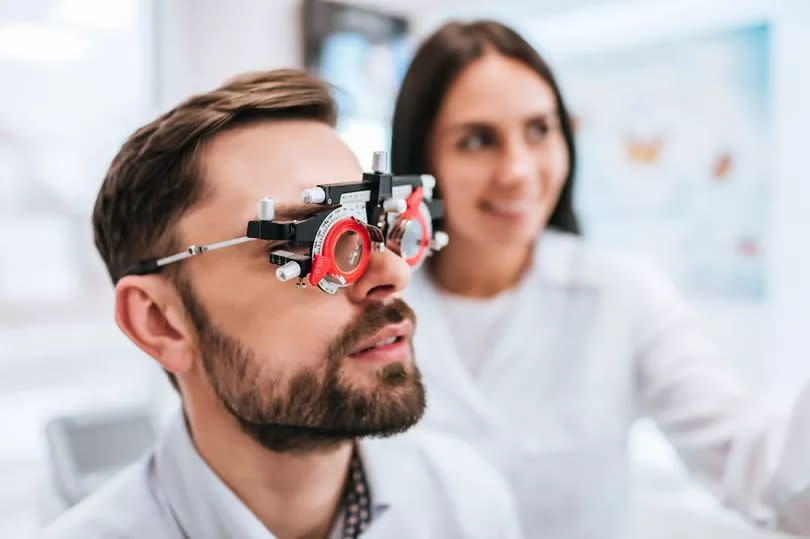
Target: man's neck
<point>292,494</point>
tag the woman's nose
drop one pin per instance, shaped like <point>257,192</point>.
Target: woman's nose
<point>517,165</point>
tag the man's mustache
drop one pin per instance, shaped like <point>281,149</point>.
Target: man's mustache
<point>373,318</point>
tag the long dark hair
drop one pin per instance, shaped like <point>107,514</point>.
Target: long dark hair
<point>435,66</point>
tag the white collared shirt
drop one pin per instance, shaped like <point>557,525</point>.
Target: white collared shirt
<point>546,380</point>
<point>422,484</point>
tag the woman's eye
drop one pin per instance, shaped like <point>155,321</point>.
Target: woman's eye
<point>537,130</point>
<point>475,140</point>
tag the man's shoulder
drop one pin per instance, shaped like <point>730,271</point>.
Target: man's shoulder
<point>129,505</point>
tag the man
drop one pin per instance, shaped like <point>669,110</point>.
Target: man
<point>277,383</point>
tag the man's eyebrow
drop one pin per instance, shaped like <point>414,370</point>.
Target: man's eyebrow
<point>295,212</point>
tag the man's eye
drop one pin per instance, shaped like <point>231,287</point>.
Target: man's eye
<point>285,246</point>
<point>301,249</point>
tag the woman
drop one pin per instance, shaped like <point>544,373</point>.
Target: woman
<point>541,350</point>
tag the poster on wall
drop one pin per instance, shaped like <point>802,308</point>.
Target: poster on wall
<point>673,156</point>
<point>364,53</point>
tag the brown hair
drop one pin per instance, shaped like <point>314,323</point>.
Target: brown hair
<point>437,63</point>
<point>155,177</point>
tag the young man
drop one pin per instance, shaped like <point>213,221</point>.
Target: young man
<point>278,384</point>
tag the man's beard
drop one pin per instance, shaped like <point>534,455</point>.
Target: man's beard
<point>317,408</point>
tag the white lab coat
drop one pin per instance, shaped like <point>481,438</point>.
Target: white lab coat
<point>422,485</point>
<point>583,346</point>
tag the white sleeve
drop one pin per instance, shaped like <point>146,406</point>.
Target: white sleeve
<point>753,463</point>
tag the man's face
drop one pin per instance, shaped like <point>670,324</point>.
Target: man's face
<point>297,367</point>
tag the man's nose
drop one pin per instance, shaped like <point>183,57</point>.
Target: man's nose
<point>386,277</point>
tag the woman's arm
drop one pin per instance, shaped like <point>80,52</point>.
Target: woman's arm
<point>754,463</point>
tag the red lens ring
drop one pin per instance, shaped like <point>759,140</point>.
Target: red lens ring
<point>414,201</point>
<point>324,263</point>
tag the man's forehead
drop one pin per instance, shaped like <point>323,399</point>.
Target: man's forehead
<point>277,160</point>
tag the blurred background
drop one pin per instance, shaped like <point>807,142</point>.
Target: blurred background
<point>691,126</point>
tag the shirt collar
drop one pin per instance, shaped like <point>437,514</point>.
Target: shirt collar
<point>377,466</point>
<point>204,506</point>
<point>201,503</point>
<point>555,259</point>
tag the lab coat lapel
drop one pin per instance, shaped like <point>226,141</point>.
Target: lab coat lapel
<point>510,344</point>
<point>438,359</point>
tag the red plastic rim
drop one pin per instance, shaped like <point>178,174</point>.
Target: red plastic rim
<point>414,211</point>
<point>325,263</point>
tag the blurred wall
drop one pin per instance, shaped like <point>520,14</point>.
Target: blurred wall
<point>203,42</point>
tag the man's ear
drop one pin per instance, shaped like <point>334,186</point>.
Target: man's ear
<point>149,310</point>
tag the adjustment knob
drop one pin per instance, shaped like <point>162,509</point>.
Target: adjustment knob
<point>314,195</point>
<point>379,162</point>
<point>428,184</point>
<point>440,240</point>
<point>395,205</point>
<point>288,271</point>
<point>267,209</point>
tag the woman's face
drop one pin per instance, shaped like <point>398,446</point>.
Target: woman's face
<point>498,153</point>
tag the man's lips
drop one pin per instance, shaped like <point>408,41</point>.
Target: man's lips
<point>390,335</point>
